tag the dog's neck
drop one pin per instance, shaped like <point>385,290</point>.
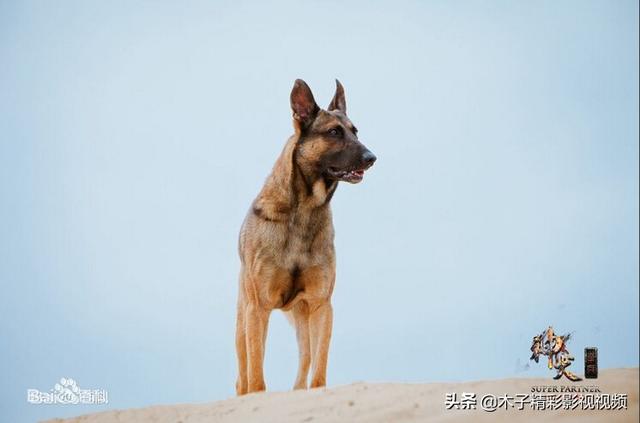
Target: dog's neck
<point>288,188</point>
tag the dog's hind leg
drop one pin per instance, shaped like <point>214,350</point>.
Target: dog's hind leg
<point>300,318</point>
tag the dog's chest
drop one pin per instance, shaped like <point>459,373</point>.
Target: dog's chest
<point>304,241</point>
<point>289,259</point>
<point>306,263</point>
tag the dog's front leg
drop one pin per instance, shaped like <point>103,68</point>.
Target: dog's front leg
<point>256,321</point>
<point>301,321</point>
<point>320,324</point>
<point>241,347</point>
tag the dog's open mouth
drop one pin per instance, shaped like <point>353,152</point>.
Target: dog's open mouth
<point>352,176</point>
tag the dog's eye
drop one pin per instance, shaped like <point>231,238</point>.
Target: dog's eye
<point>335,132</point>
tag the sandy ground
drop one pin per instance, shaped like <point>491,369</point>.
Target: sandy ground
<point>384,402</point>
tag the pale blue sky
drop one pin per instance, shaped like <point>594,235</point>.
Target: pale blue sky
<point>134,135</point>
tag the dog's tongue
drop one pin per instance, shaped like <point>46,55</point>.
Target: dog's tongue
<point>354,175</point>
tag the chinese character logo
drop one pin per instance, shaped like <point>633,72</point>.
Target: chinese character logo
<point>67,391</point>
<point>555,348</point>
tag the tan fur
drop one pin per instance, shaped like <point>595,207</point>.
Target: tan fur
<point>287,255</point>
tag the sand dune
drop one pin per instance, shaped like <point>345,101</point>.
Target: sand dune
<point>384,402</point>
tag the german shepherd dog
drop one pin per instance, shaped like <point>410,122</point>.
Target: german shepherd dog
<point>286,241</point>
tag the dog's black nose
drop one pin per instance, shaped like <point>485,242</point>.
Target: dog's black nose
<point>368,158</point>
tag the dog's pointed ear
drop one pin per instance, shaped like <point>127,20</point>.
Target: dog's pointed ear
<point>303,105</point>
<point>338,102</point>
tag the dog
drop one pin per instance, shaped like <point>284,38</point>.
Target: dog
<point>286,240</point>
